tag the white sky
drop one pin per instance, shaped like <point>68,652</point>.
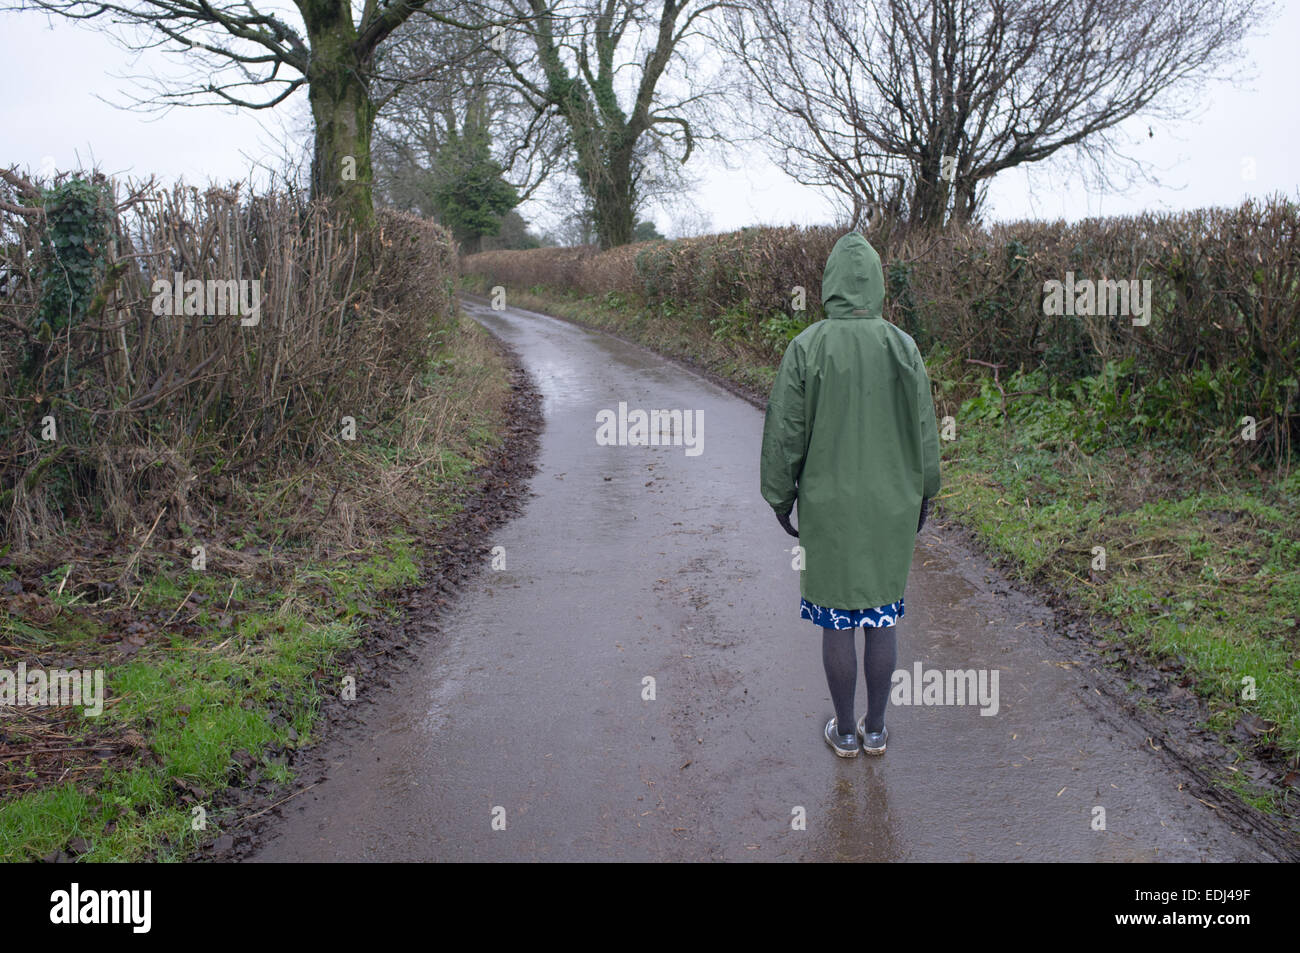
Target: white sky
<point>52,74</point>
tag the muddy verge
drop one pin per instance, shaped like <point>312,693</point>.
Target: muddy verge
<point>458,553</point>
<point>1164,713</point>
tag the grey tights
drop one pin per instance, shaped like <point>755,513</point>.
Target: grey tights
<point>840,656</point>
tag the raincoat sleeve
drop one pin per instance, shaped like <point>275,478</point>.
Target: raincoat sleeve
<point>785,439</point>
<point>929,432</point>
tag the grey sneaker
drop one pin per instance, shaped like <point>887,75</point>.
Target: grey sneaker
<point>873,742</point>
<point>845,746</point>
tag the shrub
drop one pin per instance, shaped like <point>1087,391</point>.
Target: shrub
<point>156,409</point>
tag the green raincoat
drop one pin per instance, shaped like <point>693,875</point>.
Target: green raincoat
<point>850,434</point>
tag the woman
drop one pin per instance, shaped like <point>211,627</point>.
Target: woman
<point>850,434</point>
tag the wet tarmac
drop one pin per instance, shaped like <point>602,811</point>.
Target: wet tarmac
<point>525,733</point>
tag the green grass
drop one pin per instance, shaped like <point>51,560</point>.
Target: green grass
<point>1222,599</point>
<point>201,706</point>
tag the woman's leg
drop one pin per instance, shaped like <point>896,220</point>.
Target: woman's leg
<point>878,661</point>
<point>840,656</point>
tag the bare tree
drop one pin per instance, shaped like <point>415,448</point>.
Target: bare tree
<point>911,107</point>
<point>603,67</point>
<point>461,91</point>
<point>257,59</point>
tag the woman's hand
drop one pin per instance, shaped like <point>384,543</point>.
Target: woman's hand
<point>784,520</point>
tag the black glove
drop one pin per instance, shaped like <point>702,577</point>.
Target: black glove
<point>784,520</point>
<point>925,511</point>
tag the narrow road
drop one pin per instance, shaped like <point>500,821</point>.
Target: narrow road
<point>633,561</point>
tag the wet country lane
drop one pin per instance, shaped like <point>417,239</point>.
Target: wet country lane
<point>635,562</point>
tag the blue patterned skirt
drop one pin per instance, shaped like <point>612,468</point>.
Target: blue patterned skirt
<point>851,618</point>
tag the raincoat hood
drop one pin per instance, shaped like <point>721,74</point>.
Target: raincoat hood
<point>853,284</point>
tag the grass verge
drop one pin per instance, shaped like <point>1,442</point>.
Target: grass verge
<point>214,669</point>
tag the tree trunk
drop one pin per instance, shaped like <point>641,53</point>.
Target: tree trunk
<point>929,196</point>
<point>966,204</point>
<point>613,199</point>
<point>343,113</point>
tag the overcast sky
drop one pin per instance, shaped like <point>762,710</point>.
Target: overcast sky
<point>52,74</point>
